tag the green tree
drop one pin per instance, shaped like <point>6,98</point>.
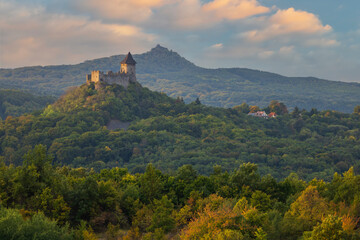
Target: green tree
<point>162,217</point>
<point>53,206</point>
<point>329,229</point>
<point>246,175</point>
<point>261,201</point>
<point>38,227</point>
<point>150,184</point>
<point>243,108</point>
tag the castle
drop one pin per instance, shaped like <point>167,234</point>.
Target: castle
<point>125,76</point>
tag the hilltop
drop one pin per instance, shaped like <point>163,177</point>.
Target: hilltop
<point>166,71</point>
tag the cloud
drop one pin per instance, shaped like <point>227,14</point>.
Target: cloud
<point>286,50</point>
<point>38,38</point>
<point>265,54</point>
<point>322,42</point>
<point>239,32</point>
<point>217,46</point>
<point>126,10</point>
<point>186,14</point>
<point>234,9</point>
<point>289,22</point>
<point>193,14</point>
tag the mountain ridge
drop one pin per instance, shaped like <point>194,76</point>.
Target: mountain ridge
<point>164,70</point>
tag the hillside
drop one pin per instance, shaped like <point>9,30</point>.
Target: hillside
<point>166,71</point>
<point>15,103</point>
<point>169,133</point>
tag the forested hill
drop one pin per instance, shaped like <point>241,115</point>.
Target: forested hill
<point>169,133</point>
<point>166,71</point>
<point>15,103</point>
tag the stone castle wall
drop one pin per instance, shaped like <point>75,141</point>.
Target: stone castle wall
<point>120,78</point>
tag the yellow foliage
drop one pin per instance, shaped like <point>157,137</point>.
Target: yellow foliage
<point>309,206</point>
<point>89,235</point>
<point>349,223</point>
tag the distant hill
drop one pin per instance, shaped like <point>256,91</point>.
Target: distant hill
<point>166,71</point>
<point>15,103</point>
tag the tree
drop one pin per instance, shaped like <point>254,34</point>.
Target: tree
<point>306,212</point>
<point>83,199</point>
<point>246,175</point>
<point>40,160</point>
<point>53,206</point>
<point>197,101</point>
<point>278,107</point>
<point>244,108</point>
<point>213,221</point>
<point>329,229</point>
<point>186,173</point>
<point>261,201</point>
<point>38,227</point>
<point>150,184</point>
<point>296,112</point>
<point>309,206</point>
<point>34,175</point>
<point>357,109</point>
<point>162,217</point>
<point>254,109</point>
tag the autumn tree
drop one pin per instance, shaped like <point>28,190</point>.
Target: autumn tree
<point>307,211</point>
<point>277,107</point>
<point>357,109</point>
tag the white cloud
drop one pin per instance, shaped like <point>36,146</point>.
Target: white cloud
<point>322,42</point>
<point>286,50</point>
<point>192,14</point>
<point>34,37</point>
<point>187,14</point>
<point>265,54</point>
<point>127,10</point>
<point>217,46</point>
<point>234,9</point>
<point>289,22</point>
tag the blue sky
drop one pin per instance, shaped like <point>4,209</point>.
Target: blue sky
<point>294,38</point>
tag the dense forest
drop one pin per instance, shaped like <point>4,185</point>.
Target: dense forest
<point>169,134</point>
<point>40,201</point>
<point>168,72</point>
<point>16,103</point>
<point>173,170</point>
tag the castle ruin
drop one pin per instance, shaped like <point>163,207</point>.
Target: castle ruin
<point>124,77</point>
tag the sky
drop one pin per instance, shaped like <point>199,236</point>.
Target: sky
<point>318,38</point>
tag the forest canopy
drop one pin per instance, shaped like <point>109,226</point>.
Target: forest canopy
<point>169,133</point>
<point>41,201</point>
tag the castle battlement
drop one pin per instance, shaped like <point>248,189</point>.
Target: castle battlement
<point>124,77</point>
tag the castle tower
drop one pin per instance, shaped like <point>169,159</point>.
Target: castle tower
<point>128,65</point>
<point>124,77</point>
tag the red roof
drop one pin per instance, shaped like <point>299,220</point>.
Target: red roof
<point>272,114</point>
